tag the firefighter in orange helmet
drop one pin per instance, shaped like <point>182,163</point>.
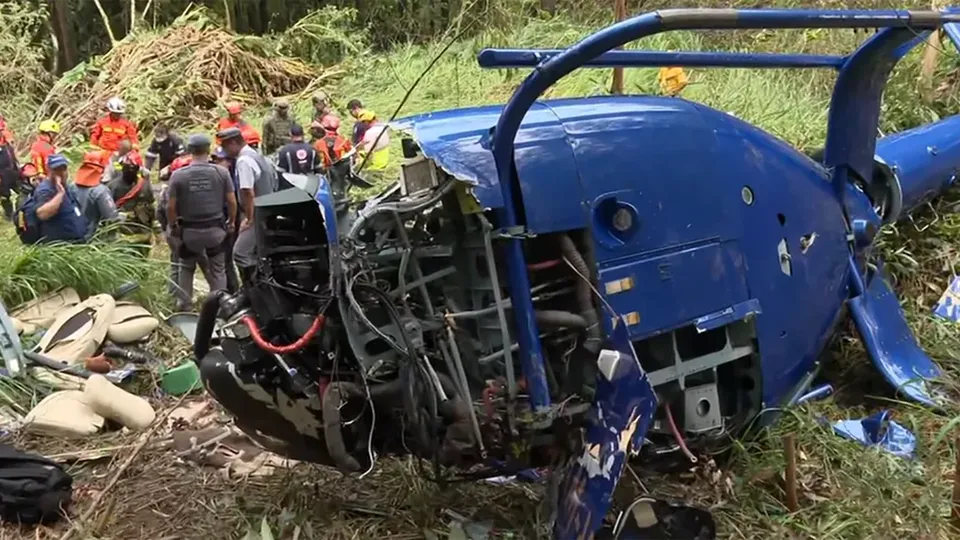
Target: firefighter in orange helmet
<point>113,128</point>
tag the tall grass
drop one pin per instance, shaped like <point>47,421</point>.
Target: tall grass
<point>98,267</point>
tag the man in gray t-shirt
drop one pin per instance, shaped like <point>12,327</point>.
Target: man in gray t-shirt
<point>198,194</point>
<point>255,177</point>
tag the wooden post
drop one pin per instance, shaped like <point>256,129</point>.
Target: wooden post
<point>955,507</point>
<point>928,65</point>
<point>790,484</point>
<point>619,13</point>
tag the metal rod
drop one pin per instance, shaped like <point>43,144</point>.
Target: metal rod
<point>462,375</point>
<point>530,58</point>
<point>498,300</point>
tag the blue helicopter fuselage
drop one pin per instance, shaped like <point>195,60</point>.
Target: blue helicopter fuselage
<point>716,219</point>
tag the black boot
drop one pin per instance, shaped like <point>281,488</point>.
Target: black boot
<point>7,205</point>
<point>247,275</point>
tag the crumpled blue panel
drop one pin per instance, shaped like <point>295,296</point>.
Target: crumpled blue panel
<point>879,430</point>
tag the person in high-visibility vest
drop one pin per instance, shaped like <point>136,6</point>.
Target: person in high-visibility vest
<point>113,128</point>
<point>672,80</point>
<point>43,147</point>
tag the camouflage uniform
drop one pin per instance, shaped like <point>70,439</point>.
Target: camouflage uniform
<point>276,132</point>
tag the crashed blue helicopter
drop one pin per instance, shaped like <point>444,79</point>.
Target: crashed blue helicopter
<point>569,283</point>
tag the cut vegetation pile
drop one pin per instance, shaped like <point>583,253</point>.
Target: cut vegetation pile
<point>180,73</point>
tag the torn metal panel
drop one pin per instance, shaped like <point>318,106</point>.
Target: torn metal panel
<point>623,410</point>
<point>891,344</point>
<point>879,430</point>
<point>10,351</point>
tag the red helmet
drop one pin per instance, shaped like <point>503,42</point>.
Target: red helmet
<point>234,107</point>
<point>330,122</point>
<point>180,161</point>
<point>29,170</point>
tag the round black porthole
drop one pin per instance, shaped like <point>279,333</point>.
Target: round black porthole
<point>615,222</point>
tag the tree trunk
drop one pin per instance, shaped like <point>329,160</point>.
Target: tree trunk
<point>67,45</point>
<point>550,6</point>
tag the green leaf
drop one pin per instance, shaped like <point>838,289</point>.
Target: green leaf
<point>265,533</point>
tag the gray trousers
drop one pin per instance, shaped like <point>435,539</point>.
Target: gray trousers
<point>203,248</point>
<point>245,250</point>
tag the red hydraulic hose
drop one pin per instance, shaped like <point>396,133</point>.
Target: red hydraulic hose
<point>678,436</point>
<point>281,349</point>
<point>533,267</point>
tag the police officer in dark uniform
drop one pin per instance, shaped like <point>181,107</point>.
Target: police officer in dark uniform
<point>198,194</point>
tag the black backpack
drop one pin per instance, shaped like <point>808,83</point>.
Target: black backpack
<point>25,220</point>
<point>33,489</point>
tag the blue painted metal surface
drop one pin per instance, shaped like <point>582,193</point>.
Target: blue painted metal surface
<point>515,58</point>
<point>924,160</point>
<point>879,430</point>
<point>890,343</point>
<point>724,217</point>
<point>622,414</point>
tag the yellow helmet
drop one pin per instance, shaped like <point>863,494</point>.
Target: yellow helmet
<point>49,126</point>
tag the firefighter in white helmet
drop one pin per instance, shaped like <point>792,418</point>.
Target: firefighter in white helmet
<point>114,127</point>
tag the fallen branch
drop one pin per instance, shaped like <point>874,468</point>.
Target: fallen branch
<point>141,444</point>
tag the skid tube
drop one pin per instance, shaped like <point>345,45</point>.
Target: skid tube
<point>625,402</point>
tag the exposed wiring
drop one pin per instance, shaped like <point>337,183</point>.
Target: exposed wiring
<point>678,436</point>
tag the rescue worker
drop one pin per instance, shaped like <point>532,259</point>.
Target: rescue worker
<point>5,131</point>
<point>9,171</point>
<point>134,198</point>
<point>113,128</point>
<point>321,105</point>
<point>359,127</point>
<point>672,80</point>
<point>234,119</point>
<point>276,128</point>
<point>29,179</point>
<point>43,147</point>
<point>298,157</point>
<point>163,200</point>
<point>124,155</point>
<point>165,147</point>
<point>332,146</point>
<point>197,196</point>
<point>219,157</point>
<point>58,209</point>
<point>373,152</point>
<point>96,202</point>
<point>255,177</point>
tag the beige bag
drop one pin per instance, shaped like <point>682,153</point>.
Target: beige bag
<point>63,414</point>
<point>116,404</point>
<point>75,335</point>
<point>42,311</point>
<point>131,323</point>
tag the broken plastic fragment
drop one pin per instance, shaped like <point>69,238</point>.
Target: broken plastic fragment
<point>949,305</point>
<point>879,430</point>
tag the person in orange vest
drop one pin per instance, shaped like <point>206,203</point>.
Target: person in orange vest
<point>332,146</point>
<point>234,120</point>
<point>43,147</point>
<point>6,136</point>
<point>113,128</point>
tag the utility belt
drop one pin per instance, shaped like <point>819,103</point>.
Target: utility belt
<point>213,223</point>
